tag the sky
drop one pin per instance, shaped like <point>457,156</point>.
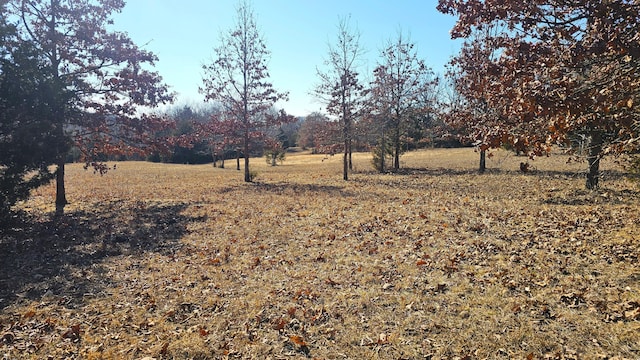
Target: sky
<point>183,34</point>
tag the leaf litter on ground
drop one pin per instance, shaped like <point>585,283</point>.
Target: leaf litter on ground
<point>436,261</point>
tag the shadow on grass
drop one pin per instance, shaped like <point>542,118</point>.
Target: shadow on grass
<point>292,189</point>
<point>63,257</point>
<point>594,197</point>
<point>604,174</point>
<point>422,171</point>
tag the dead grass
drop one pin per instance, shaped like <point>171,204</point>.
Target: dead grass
<point>435,262</point>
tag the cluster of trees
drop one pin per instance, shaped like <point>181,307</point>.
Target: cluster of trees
<point>391,111</point>
<point>398,103</point>
<point>201,136</point>
<point>529,76</point>
<point>186,147</point>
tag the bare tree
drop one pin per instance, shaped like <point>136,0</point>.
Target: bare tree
<point>237,79</point>
<point>340,87</point>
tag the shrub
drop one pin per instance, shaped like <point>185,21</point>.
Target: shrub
<point>272,157</point>
<point>381,157</point>
<point>253,175</point>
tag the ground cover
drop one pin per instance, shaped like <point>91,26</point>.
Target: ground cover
<point>435,262</point>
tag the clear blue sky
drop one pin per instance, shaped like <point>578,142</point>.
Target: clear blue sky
<point>183,34</point>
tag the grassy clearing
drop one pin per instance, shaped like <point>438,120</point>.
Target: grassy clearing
<point>438,262</point>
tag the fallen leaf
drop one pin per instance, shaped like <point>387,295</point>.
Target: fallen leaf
<point>8,338</point>
<point>279,324</point>
<point>298,340</point>
<point>633,314</point>
<point>72,333</point>
<point>164,348</point>
<point>203,332</point>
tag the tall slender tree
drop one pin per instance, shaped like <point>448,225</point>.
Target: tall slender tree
<point>105,73</point>
<point>340,86</point>
<point>238,80</point>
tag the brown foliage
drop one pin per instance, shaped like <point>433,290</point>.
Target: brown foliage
<point>105,75</point>
<point>238,79</point>
<point>541,72</point>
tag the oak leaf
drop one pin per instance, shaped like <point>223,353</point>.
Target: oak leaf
<point>298,340</point>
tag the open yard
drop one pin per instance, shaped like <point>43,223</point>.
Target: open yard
<point>436,262</point>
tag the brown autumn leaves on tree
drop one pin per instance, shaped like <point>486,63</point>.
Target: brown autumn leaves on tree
<point>401,80</point>
<point>237,80</point>
<point>532,75</point>
<point>550,71</point>
<point>340,87</point>
<point>483,124</point>
<point>104,72</point>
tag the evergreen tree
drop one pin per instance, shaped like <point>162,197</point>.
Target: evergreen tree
<point>28,141</point>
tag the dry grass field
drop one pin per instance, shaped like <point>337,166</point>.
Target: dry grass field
<point>436,262</point>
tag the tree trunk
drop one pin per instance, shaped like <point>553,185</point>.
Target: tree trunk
<point>273,159</point>
<point>237,159</point>
<point>383,152</point>
<point>396,148</point>
<point>345,161</point>
<point>396,157</point>
<point>483,161</point>
<point>222,162</point>
<point>347,145</point>
<point>593,158</point>
<point>247,174</point>
<point>350,156</point>
<point>61,195</point>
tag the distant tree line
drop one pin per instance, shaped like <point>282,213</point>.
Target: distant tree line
<point>197,143</point>
<point>315,132</point>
